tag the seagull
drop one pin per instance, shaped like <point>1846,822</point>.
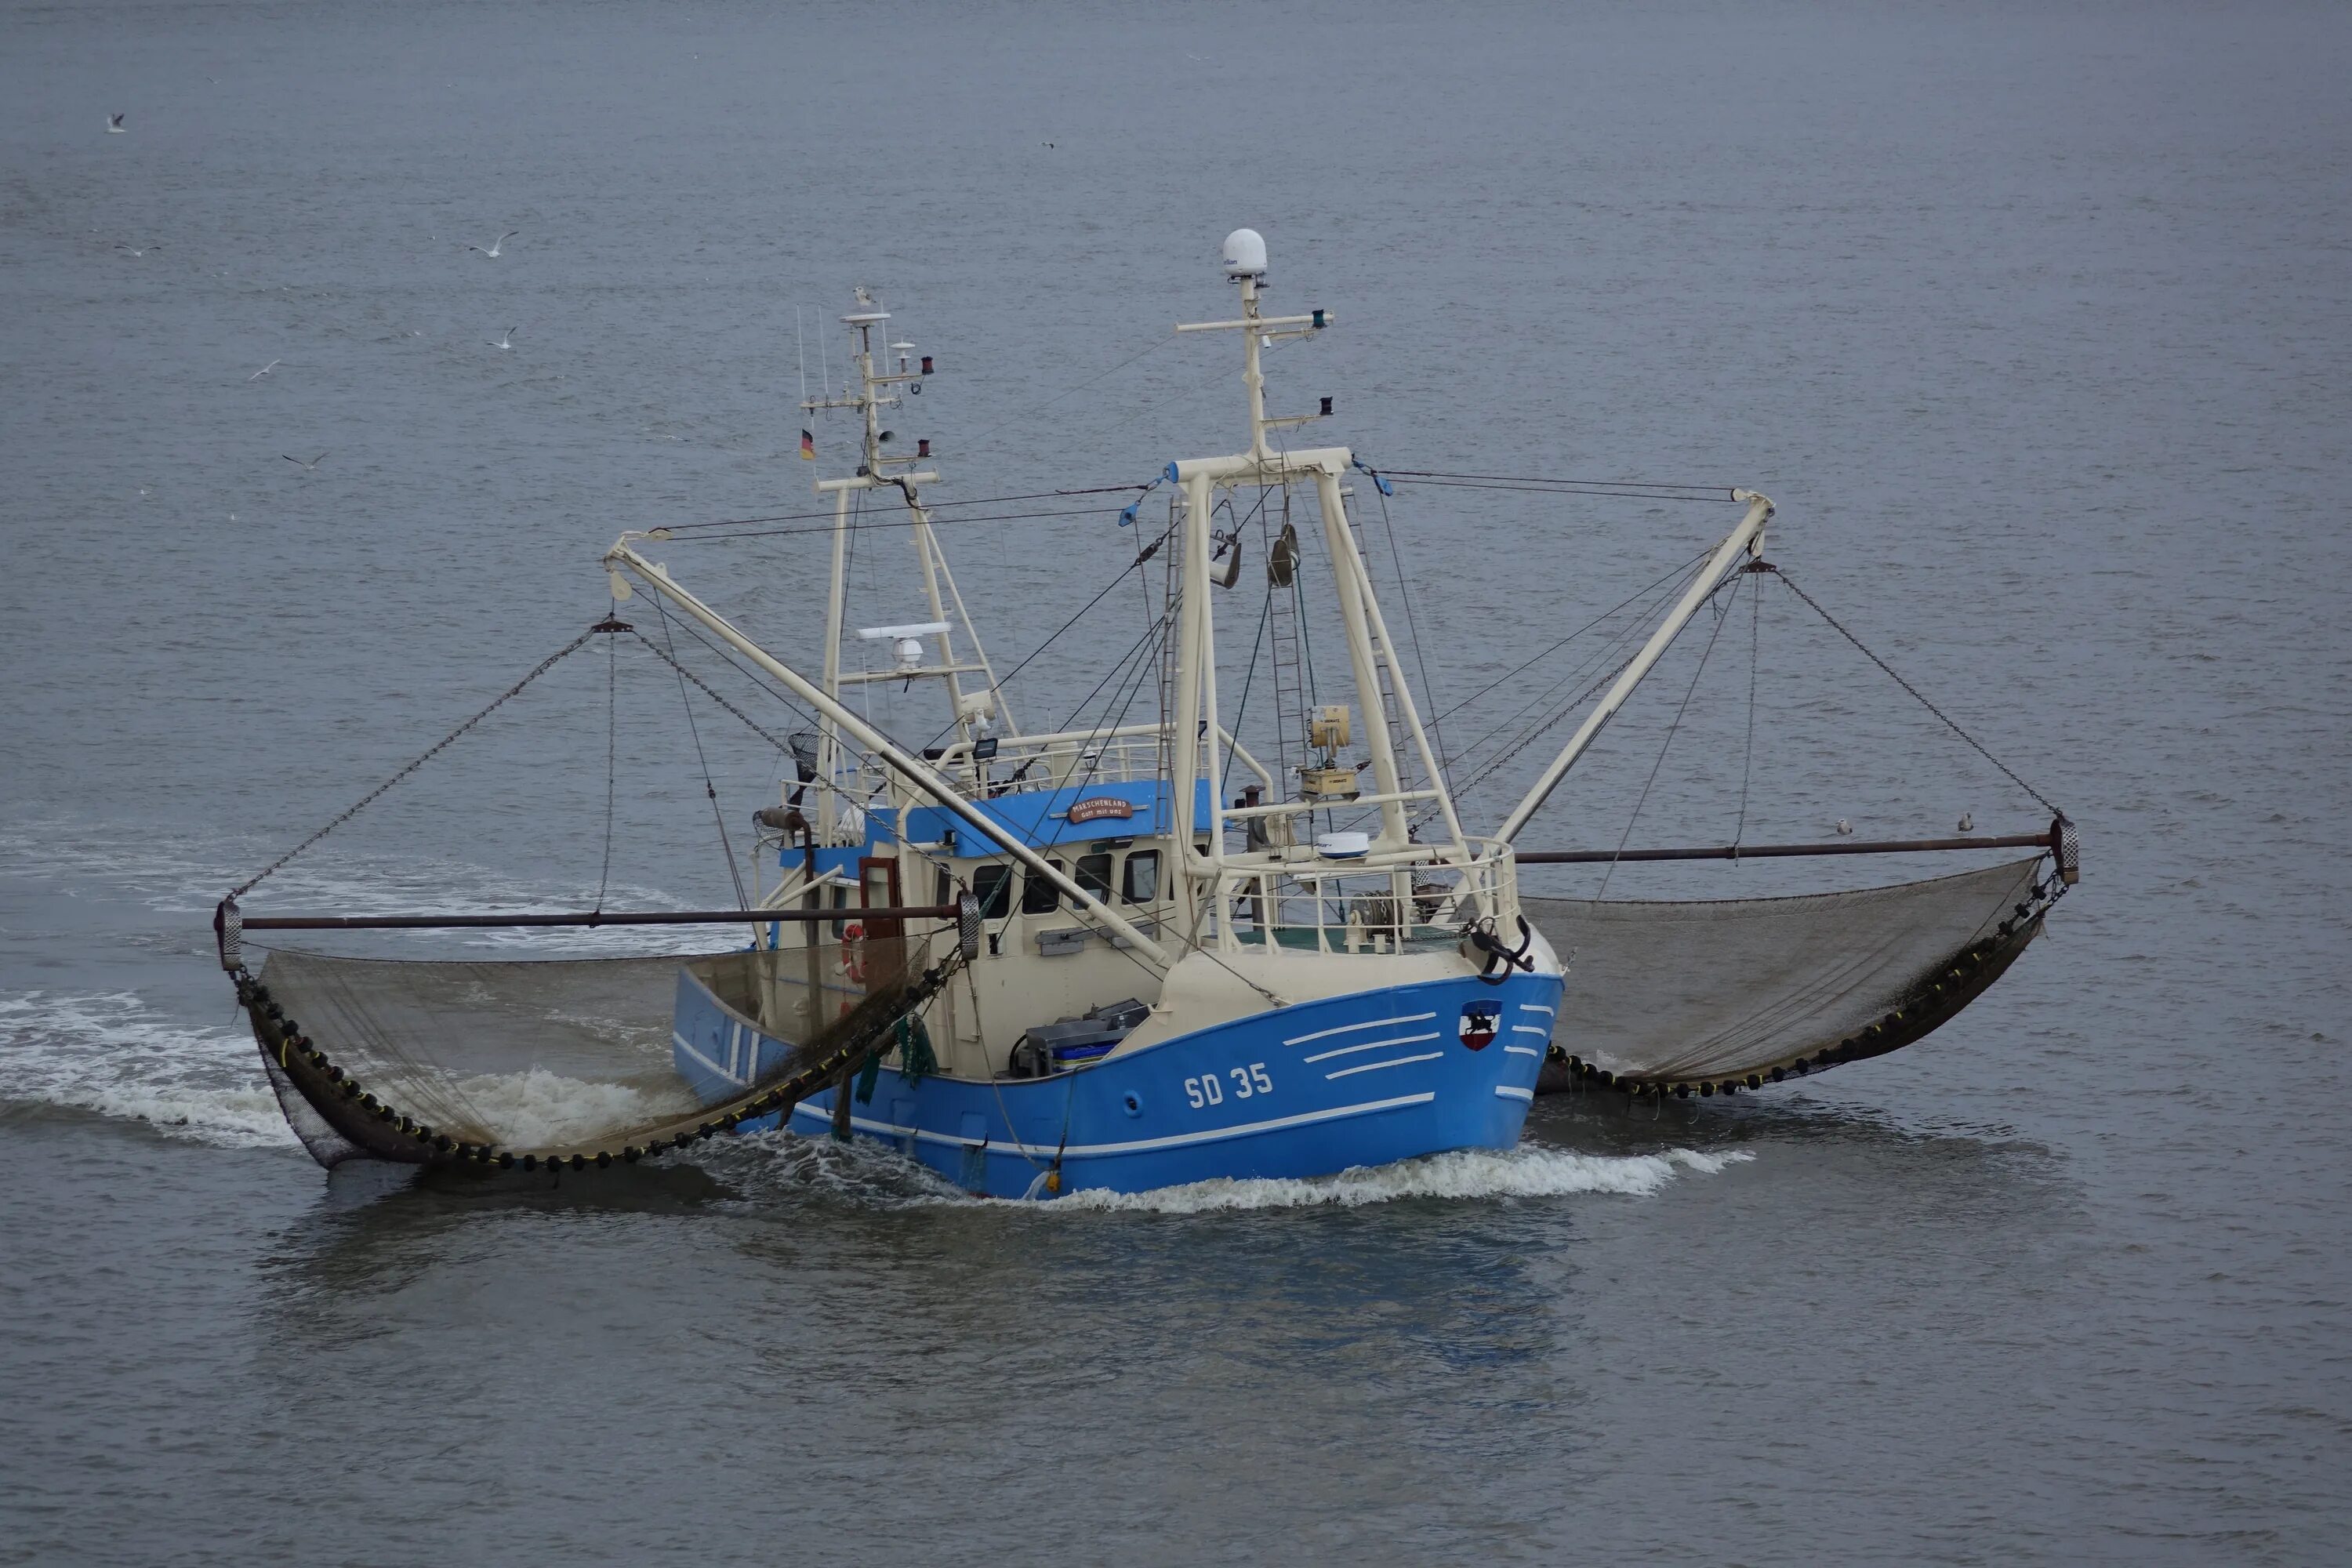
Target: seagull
<point>493,251</point>
<point>1967,821</point>
<point>137,250</point>
<point>1844,828</point>
<point>306,468</point>
<point>114,124</point>
<point>506,341</point>
<point>265,370</point>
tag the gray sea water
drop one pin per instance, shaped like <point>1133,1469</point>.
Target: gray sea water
<point>2034,321</point>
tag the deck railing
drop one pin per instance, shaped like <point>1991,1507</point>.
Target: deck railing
<point>1324,906</point>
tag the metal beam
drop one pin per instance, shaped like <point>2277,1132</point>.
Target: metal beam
<point>1771,851</point>
<point>918,773</point>
<point>1742,539</point>
<point>596,918</point>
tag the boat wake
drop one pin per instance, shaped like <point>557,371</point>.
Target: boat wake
<point>1465,1175</point>
<point>113,1054</point>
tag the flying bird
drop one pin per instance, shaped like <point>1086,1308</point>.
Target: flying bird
<point>306,468</point>
<point>493,251</point>
<point>265,370</point>
<point>505,342</point>
<point>136,249</point>
<point>1844,828</point>
<point>114,124</point>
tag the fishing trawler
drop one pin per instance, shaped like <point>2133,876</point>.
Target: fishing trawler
<point>1041,961</point>
<point>1170,985</point>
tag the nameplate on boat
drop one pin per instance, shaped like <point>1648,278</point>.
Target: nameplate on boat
<point>1097,808</point>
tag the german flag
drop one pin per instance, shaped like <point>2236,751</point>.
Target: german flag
<point>808,445</point>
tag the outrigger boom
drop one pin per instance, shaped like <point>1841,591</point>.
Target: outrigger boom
<point>913,771</point>
<point>1748,538</point>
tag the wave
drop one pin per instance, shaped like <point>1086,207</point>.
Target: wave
<point>864,1173</point>
<point>113,1054</point>
<point>1464,1175</point>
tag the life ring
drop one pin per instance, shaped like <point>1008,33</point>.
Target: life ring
<point>853,951</point>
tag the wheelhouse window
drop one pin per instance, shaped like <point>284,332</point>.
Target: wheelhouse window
<point>1138,880</point>
<point>992,886</point>
<point>1093,874</point>
<point>1039,896</point>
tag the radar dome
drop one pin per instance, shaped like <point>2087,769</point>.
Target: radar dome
<point>1244,254</point>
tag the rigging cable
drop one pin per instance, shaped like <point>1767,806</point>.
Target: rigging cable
<point>1136,565</point>
<point>734,872</point>
<point>748,722</point>
<point>1241,708</point>
<point>1628,489</point>
<point>1621,646</point>
<point>1413,629</point>
<point>1546,653</point>
<point>1643,799</point>
<point>1837,626</point>
<point>934,506</point>
<point>1747,761</point>
<point>612,742</point>
<point>370,798</point>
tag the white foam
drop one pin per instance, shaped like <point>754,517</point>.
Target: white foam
<point>539,1109</point>
<point>113,1054</point>
<point>1526,1171</point>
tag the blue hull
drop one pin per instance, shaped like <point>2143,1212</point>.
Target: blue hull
<point>1307,1090</point>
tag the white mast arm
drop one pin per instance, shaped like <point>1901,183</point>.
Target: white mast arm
<point>913,771</point>
<point>1742,540</point>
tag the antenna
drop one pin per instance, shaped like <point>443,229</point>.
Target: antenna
<point>800,341</point>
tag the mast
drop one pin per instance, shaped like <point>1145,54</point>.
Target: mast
<point>875,391</point>
<point>1370,647</point>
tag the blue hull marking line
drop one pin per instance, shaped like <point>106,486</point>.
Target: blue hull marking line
<point>1236,1100</point>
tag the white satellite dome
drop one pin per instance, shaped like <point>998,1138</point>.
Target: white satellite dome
<point>1244,254</point>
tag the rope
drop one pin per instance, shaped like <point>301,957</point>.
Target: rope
<point>726,847</point>
<point>1027,413</point>
<point>1555,648</point>
<point>1629,489</point>
<point>754,677</point>
<point>1241,708</point>
<point>1747,761</point>
<point>748,722</point>
<point>611,744</point>
<point>1136,565</point>
<point>550,662</point>
<point>933,506</point>
<point>1664,746</point>
<point>1413,629</point>
<point>1839,628</point>
<point>889,522</point>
